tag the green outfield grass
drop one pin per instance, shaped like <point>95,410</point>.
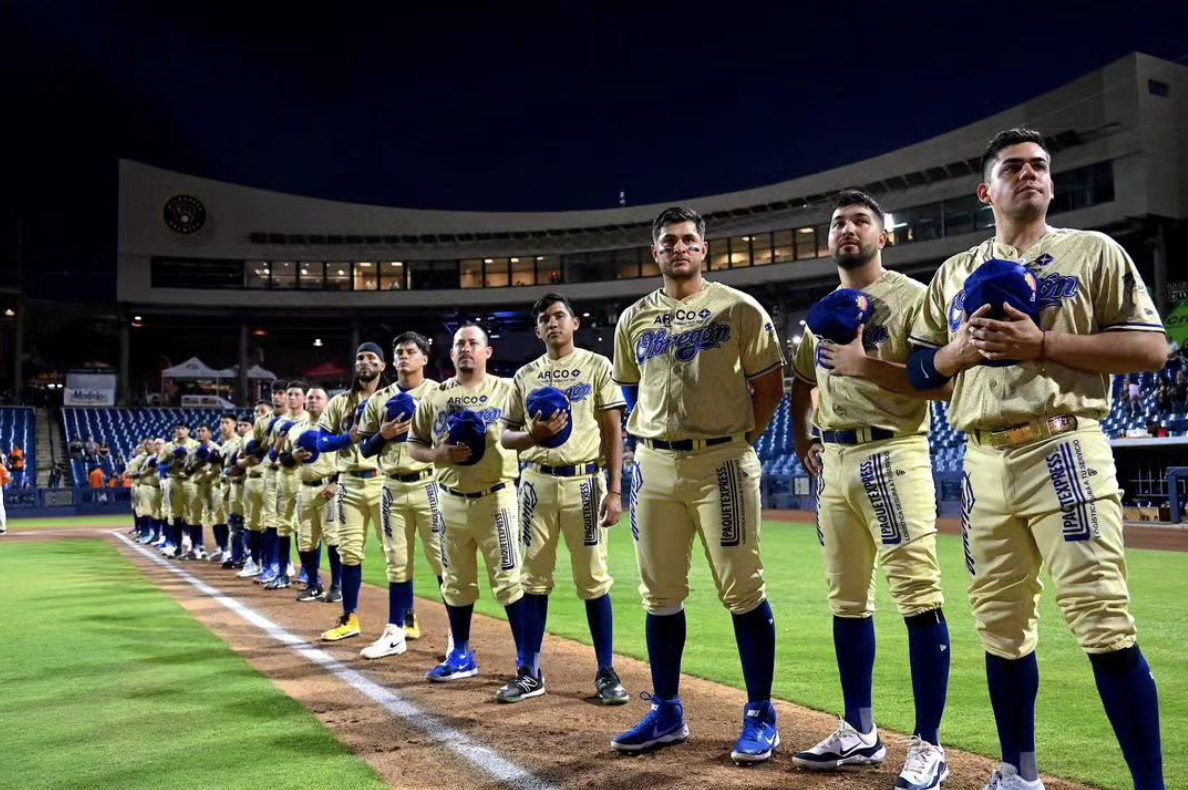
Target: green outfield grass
<point>69,522</point>
<point>1074,738</point>
<point>107,682</point>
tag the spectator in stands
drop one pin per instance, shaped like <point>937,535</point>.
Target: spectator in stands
<point>90,448</point>
<point>1179,392</point>
<point>1135,394</point>
<point>76,449</point>
<point>16,459</point>
<point>97,481</point>
<point>55,476</point>
<point>1163,398</point>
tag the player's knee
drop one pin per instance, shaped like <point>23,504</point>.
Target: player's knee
<point>459,596</point>
<point>1008,643</point>
<point>1100,624</point>
<point>593,590</point>
<point>841,607</point>
<point>536,583</point>
<point>508,593</point>
<point>351,555</point>
<point>743,601</point>
<point>915,596</point>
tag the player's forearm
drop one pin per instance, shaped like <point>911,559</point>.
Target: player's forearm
<point>611,423</point>
<point>802,416</point>
<point>893,377</point>
<point>1107,352</point>
<point>421,452</point>
<point>766,393</point>
<point>948,360</point>
<point>516,440</point>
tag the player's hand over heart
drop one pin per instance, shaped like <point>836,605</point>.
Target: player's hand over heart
<point>302,455</point>
<point>964,353</point>
<point>1015,338</point>
<point>453,453</point>
<point>541,430</point>
<point>395,427</point>
<point>844,359</point>
<point>330,491</point>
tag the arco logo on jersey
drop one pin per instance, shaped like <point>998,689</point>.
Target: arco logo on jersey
<point>558,375</point>
<point>465,401</point>
<point>681,316</point>
<point>685,346</point>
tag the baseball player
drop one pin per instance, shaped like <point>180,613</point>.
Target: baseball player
<point>563,491</point>
<point>218,512</point>
<point>202,477</point>
<point>1040,486</point>
<point>130,472</point>
<point>358,488</point>
<point>702,373</point>
<point>875,494</point>
<point>5,479</point>
<point>457,428</point>
<point>271,463</point>
<point>251,461</point>
<point>315,499</point>
<point>235,476</point>
<point>179,489</point>
<point>409,505</point>
<point>148,497</point>
<point>288,480</point>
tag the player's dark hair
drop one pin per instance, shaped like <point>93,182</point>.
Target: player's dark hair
<point>547,301</point>
<point>1006,139</point>
<point>265,402</point>
<point>298,384</point>
<point>228,415</point>
<point>202,425</point>
<point>416,338</point>
<point>280,385</point>
<point>486,337</point>
<point>182,424</point>
<point>674,215</point>
<point>856,197</point>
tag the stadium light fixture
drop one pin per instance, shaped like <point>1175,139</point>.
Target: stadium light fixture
<point>260,332</point>
<point>137,318</point>
<point>585,315</point>
<point>802,323</point>
<point>318,342</point>
<point>8,311</point>
<point>796,339</point>
<point>515,260</point>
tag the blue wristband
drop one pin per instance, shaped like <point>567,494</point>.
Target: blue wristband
<point>332,443</point>
<point>372,445</point>
<point>631,395</point>
<point>922,372</point>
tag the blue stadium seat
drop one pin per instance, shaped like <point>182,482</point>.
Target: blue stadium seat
<point>18,428</point>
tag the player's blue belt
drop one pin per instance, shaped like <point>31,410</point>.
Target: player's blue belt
<point>686,445</point>
<point>578,470</point>
<point>860,436</point>
<point>474,494</point>
<point>363,474</point>
<point>412,477</point>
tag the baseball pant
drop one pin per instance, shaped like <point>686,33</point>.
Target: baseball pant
<point>200,505</point>
<point>482,524</point>
<point>148,502</point>
<point>271,497</point>
<point>406,510</point>
<point>876,503</point>
<point>551,507</point>
<point>713,493</point>
<point>1053,502</point>
<point>235,498</point>
<point>253,503</point>
<point>287,485</point>
<point>314,512</point>
<point>358,507</point>
<point>181,494</point>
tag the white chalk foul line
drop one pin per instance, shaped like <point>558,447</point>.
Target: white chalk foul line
<point>482,757</point>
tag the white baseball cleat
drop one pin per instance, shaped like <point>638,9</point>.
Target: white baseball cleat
<point>846,746</point>
<point>249,569</point>
<point>391,643</point>
<point>1006,777</point>
<point>925,767</point>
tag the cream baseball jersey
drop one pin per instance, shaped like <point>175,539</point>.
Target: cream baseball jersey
<point>176,467</point>
<point>585,378</point>
<point>289,442</point>
<point>847,402</point>
<point>395,458</point>
<point>339,418</point>
<point>491,399</point>
<point>691,359</point>
<point>1087,284</point>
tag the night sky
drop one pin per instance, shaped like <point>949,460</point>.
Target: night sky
<point>434,105</point>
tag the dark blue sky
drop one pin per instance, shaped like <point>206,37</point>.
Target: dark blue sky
<point>437,105</point>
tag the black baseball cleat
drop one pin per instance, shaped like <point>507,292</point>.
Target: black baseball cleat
<point>609,689</point>
<point>310,594</point>
<point>525,686</point>
<point>333,595</point>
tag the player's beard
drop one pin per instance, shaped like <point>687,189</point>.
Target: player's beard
<point>851,261</point>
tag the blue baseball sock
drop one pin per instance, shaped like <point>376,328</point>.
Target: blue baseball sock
<point>175,534</point>
<point>534,610</point>
<point>312,562</point>
<point>271,548</point>
<point>1013,688</point>
<point>666,645</point>
<point>195,531</point>
<point>257,542</point>
<point>156,529</point>
<point>400,601</point>
<point>335,566</point>
<point>515,620</point>
<point>755,634</point>
<point>1131,701</point>
<point>601,619</point>
<point>460,625</point>
<point>928,647</point>
<point>352,580</point>
<point>284,553</point>
<point>854,643</point>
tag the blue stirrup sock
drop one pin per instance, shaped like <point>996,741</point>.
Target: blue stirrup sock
<point>352,580</point>
<point>1014,685</point>
<point>400,601</point>
<point>928,648</point>
<point>460,625</point>
<point>755,634</point>
<point>335,566</point>
<point>854,644</point>
<point>666,644</point>
<point>1131,701</point>
<point>601,619</point>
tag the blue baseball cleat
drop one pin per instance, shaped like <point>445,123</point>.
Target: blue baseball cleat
<point>760,736</point>
<point>268,575</point>
<point>457,665</point>
<point>663,726</point>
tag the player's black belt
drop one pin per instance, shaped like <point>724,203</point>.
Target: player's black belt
<point>255,475</point>
<point>412,477</point>
<point>314,483</point>
<point>474,494</point>
<point>363,474</point>
<point>686,445</point>
<point>861,436</point>
<point>577,470</point>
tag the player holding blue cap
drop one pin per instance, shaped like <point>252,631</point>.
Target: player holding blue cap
<point>1040,486</point>
<point>566,421</point>
<point>876,501</point>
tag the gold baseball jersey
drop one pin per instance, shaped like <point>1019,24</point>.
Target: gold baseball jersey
<point>339,418</point>
<point>326,464</point>
<point>395,458</point>
<point>491,399</point>
<point>260,428</point>
<point>847,402</point>
<point>585,378</point>
<point>691,359</point>
<point>175,468</point>
<point>1087,284</point>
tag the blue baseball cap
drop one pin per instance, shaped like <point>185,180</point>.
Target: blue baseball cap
<point>996,282</point>
<point>546,402</point>
<point>467,427</point>
<point>401,406</point>
<point>308,441</point>
<point>838,315</point>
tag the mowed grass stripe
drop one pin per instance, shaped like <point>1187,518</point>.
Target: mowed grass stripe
<point>1074,738</point>
<point>107,682</point>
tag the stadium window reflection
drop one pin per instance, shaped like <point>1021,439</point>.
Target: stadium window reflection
<point>472,273</point>
<point>256,274</point>
<point>740,252</point>
<point>783,246</point>
<point>284,274</point>
<point>366,276</point>
<point>392,276</point>
<point>338,276</point>
<point>310,275</point>
<point>495,273</point>
<point>523,271</point>
<point>761,249</point>
<point>806,243</point>
<point>719,254</point>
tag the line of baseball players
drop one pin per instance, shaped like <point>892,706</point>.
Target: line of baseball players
<point>699,367</point>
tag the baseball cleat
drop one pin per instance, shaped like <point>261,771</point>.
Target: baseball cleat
<point>846,746</point>
<point>525,686</point>
<point>216,556</point>
<point>348,626</point>
<point>145,539</point>
<point>664,725</point>
<point>390,643</point>
<point>303,577</point>
<point>760,735</point>
<point>609,689</point>
<point>281,582</point>
<point>227,564</point>
<point>267,576</point>
<point>412,626</point>
<point>310,594</point>
<point>458,665</point>
<point>1006,777</point>
<point>198,553</point>
<point>333,594</point>
<point>925,767</point>
<point>250,569</point>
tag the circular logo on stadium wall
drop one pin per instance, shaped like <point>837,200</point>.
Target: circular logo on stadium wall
<point>184,214</point>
